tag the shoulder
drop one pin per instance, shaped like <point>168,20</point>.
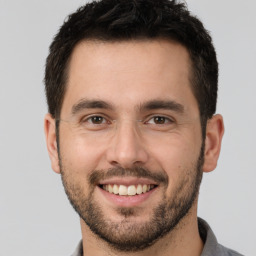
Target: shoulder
<point>211,245</point>
<point>222,250</point>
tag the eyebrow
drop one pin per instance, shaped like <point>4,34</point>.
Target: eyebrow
<point>163,104</point>
<point>149,105</point>
<point>87,104</point>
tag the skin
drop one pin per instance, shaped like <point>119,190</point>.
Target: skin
<point>127,75</point>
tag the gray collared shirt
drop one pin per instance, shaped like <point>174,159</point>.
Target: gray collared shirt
<point>211,246</point>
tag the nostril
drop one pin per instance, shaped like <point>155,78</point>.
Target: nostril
<point>115,163</point>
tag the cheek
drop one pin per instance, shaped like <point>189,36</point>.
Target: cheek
<point>78,153</point>
<point>178,155</point>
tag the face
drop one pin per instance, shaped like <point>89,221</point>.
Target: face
<point>130,143</point>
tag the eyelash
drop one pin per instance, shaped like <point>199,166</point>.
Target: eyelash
<point>167,120</point>
<point>88,119</point>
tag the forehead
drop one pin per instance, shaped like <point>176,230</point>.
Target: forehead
<point>129,73</point>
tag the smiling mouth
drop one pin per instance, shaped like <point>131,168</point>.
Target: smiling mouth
<point>131,190</point>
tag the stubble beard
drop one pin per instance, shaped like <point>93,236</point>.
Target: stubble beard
<point>126,235</point>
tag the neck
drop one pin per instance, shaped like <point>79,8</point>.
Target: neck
<point>183,240</point>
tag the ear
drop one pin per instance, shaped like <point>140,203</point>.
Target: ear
<point>214,134</point>
<point>51,142</point>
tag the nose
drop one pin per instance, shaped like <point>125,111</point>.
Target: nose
<point>127,148</point>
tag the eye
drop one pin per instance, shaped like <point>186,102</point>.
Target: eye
<point>159,120</point>
<point>96,120</point>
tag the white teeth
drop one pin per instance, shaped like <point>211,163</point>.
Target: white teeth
<point>115,189</point>
<point>131,190</point>
<point>110,188</point>
<point>122,190</point>
<point>139,189</point>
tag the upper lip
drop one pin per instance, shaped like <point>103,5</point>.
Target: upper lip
<point>127,181</point>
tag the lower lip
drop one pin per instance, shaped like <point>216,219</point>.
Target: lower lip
<point>127,201</point>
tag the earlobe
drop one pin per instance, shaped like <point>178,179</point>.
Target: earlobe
<point>51,142</point>
<point>214,134</point>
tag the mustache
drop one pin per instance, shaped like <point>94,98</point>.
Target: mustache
<point>139,172</point>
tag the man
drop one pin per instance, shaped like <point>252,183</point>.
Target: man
<point>131,88</point>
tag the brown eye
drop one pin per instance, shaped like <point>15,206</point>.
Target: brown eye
<point>97,120</point>
<point>159,120</point>
<point>94,123</point>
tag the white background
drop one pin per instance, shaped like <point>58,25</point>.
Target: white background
<point>35,216</point>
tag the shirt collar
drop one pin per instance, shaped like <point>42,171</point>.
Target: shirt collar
<point>211,246</point>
